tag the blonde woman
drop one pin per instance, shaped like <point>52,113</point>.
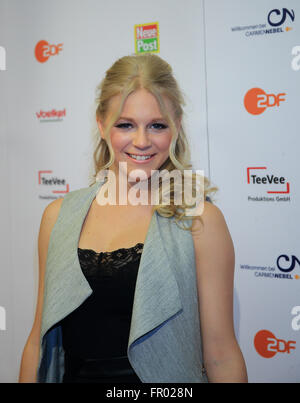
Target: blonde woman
<point>134,292</point>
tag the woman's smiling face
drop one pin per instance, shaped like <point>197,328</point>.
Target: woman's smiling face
<point>141,136</point>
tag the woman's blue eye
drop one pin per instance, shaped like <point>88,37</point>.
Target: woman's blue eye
<point>159,126</point>
<point>124,125</point>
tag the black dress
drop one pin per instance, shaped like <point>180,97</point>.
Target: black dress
<point>95,335</point>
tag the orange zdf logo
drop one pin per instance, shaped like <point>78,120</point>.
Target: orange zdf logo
<point>43,50</point>
<point>267,345</point>
<point>256,100</point>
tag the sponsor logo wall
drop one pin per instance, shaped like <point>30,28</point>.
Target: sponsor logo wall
<point>239,66</point>
<point>253,92</point>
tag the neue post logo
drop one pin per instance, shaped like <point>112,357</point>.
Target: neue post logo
<point>146,37</point>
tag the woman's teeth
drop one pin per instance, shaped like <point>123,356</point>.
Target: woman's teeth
<point>140,157</point>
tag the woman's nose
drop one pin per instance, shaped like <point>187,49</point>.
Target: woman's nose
<point>141,138</point>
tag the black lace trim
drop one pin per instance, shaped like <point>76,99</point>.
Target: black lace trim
<point>94,263</point>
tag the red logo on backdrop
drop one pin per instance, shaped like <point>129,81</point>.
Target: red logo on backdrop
<point>43,50</point>
<point>267,345</point>
<point>51,115</point>
<point>254,177</point>
<point>256,100</point>
<point>50,181</point>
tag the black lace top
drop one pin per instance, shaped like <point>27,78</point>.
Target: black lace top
<point>99,327</point>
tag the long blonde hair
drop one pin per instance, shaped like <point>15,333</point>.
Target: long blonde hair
<point>154,74</point>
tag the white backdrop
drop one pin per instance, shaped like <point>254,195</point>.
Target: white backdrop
<point>219,50</point>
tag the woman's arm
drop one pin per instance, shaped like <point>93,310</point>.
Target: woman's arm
<point>30,357</point>
<point>214,254</point>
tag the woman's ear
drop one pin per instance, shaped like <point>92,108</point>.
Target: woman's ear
<point>101,128</point>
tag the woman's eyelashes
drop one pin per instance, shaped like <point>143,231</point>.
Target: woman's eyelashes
<point>124,126</point>
<point>157,126</point>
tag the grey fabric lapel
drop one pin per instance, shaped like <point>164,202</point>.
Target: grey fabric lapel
<point>65,285</point>
<point>156,296</point>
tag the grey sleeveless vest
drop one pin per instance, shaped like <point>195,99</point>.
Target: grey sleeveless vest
<point>164,343</point>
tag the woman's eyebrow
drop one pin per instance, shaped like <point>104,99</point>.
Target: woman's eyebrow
<point>132,120</point>
<point>125,118</point>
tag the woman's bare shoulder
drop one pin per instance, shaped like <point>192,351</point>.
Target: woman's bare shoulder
<point>213,244</point>
<point>48,220</point>
<point>51,212</point>
<point>211,219</point>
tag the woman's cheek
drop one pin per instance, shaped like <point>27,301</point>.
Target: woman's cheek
<point>118,140</point>
<point>164,142</point>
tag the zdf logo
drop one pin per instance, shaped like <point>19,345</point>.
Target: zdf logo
<point>267,345</point>
<point>43,50</point>
<point>256,101</point>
